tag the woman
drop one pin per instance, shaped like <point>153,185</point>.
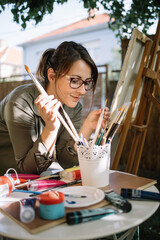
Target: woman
<point>37,136</point>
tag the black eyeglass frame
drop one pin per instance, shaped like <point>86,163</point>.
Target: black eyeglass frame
<point>83,82</point>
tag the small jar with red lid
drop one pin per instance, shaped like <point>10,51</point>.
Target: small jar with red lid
<point>51,205</point>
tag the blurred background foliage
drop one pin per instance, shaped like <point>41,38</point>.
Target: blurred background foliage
<point>124,14</point>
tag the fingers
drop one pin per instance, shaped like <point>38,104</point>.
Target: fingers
<point>41,100</point>
<point>107,114</point>
<point>106,118</point>
<point>45,103</point>
<point>47,106</point>
<point>52,112</point>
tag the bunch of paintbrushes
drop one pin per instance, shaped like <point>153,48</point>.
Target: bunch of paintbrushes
<point>71,129</point>
<point>99,124</point>
<point>106,135</point>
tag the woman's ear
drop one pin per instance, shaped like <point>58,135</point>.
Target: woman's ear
<point>51,74</point>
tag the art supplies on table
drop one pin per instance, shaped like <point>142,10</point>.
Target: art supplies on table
<point>19,180</point>
<point>118,180</point>
<point>6,186</point>
<point>38,185</point>
<point>58,187</point>
<point>24,176</point>
<point>53,180</point>
<point>51,205</point>
<point>7,183</point>
<point>135,194</point>
<point>71,169</point>
<point>88,215</point>
<point>118,201</point>
<point>26,191</point>
<point>92,195</point>
<point>94,164</point>
<point>70,175</point>
<point>38,193</point>
<point>27,210</point>
<point>74,195</point>
<point>64,174</point>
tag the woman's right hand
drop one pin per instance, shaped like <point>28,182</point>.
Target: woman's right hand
<point>47,108</point>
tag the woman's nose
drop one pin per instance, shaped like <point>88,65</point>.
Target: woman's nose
<point>81,89</point>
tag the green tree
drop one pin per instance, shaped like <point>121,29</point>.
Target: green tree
<point>141,12</point>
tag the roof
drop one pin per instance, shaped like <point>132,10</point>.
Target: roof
<point>2,52</point>
<point>11,55</point>
<point>84,23</point>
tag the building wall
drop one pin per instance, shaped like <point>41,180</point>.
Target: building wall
<point>99,40</point>
<point>10,61</point>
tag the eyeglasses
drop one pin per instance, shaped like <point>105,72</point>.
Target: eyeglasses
<point>76,82</point>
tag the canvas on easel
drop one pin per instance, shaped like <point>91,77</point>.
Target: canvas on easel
<point>129,72</point>
<point>132,87</point>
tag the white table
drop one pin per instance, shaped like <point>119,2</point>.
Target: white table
<point>106,226</point>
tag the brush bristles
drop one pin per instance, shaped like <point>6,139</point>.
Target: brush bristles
<point>27,69</point>
<point>106,102</point>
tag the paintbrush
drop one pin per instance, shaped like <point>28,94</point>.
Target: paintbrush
<point>117,121</point>
<point>58,187</point>
<point>38,193</point>
<point>99,124</point>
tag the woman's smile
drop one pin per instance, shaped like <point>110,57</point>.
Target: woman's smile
<point>75,98</point>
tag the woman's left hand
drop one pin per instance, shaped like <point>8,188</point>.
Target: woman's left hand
<point>90,124</point>
<point>106,117</point>
<point>94,117</point>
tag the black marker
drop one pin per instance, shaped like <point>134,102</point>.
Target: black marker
<point>139,194</point>
<point>88,215</point>
<point>118,201</point>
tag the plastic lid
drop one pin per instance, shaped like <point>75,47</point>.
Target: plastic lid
<point>15,181</point>
<point>51,197</point>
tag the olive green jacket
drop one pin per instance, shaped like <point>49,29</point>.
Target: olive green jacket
<point>20,119</point>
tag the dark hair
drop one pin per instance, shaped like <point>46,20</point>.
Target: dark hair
<point>61,60</point>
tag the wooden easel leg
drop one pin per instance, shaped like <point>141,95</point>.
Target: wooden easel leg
<point>139,152</point>
<point>132,153</point>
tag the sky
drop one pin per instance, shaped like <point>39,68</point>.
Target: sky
<point>65,14</point>
<point>62,15</point>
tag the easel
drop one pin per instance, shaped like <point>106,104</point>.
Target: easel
<point>151,76</point>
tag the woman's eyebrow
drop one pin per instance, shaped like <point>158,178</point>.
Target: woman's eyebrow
<point>75,75</point>
<point>80,76</point>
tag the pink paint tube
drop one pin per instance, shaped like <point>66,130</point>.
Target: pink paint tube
<point>25,176</point>
<point>43,184</point>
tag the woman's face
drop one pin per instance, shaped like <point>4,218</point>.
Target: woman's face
<point>63,92</point>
